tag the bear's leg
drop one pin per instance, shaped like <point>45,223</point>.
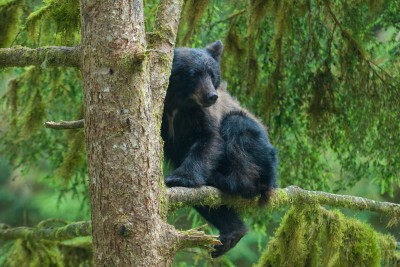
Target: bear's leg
<point>201,159</point>
<point>250,160</point>
<point>227,221</point>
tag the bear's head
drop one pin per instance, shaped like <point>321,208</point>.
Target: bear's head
<point>195,77</point>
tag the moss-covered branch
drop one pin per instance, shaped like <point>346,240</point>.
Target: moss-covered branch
<point>210,196</point>
<point>179,197</point>
<point>160,49</point>
<point>54,56</point>
<point>296,194</point>
<point>166,25</point>
<point>66,232</point>
<point>64,124</point>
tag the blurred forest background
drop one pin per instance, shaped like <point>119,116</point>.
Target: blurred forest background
<point>323,75</point>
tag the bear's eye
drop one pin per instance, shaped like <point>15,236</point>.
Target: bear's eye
<point>192,74</point>
<point>214,75</point>
<point>211,75</point>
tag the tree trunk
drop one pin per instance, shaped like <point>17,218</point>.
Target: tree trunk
<point>122,138</point>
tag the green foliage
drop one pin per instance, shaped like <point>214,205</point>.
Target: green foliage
<point>74,156</point>
<point>317,72</point>
<point>321,80</point>
<point>64,13</point>
<point>33,97</point>
<point>314,71</point>
<point>46,253</point>
<point>10,13</point>
<point>313,236</point>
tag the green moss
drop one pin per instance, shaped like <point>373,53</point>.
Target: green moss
<point>10,14</point>
<point>26,253</point>
<point>280,197</point>
<point>312,236</point>
<point>12,97</point>
<point>359,245</point>
<point>34,114</point>
<point>74,252</point>
<point>73,158</point>
<point>257,10</point>
<point>64,13</point>
<point>388,250</point>
<point>193,11</point>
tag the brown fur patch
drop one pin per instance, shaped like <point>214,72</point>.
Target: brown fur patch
<point>171,131</point>
<point>225,104</point>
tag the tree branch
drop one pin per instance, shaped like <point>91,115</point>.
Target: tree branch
<point>210,196</point>
<point>66,232</point>
<point>64,124</point>
<point>358,47</point>
<point>54,56</point>
<point>166,25</point>
<point>195,238</point>
<point>160,49</point>
<point>185,197</point>
<point>231,16</point>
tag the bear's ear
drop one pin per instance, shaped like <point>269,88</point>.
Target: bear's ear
<point>215,49</point>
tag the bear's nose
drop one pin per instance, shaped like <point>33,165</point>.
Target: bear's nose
<point>212,98</point>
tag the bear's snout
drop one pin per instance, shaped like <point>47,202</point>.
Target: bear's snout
<point>210,99</point>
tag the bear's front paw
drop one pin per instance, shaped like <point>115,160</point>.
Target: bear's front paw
<point>228,241</point>
<point>174,180</point>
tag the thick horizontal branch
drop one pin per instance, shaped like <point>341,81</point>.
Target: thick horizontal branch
<point>296,194</point>
<point>210,196</point>
<point>54,56</point>
<point>66,232</point>
<point>61,125</point>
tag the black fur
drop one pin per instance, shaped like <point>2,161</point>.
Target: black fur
<point>214,142</point>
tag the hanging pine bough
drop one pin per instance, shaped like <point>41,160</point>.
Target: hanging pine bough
<point>75,252</point>
<point>193,11</point>
<point>315,69</point>
<point>74,156</point>
<point>51,243</point>
<point>66,16</point>
<point>311,69</point>
<point>10,14</point>
<point>310,235</point>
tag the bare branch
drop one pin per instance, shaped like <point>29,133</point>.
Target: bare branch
<point>62,125</point>
<point>54,56</point>
<point>66,232</point>
<point>195,238</point>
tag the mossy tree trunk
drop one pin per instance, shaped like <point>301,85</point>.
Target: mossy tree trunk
<point>122,134</point>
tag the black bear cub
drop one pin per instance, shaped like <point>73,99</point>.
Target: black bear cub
<point>211,140</point>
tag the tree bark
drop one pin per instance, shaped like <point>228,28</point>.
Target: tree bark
<point>179,197</point>
<point>122,137</point>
